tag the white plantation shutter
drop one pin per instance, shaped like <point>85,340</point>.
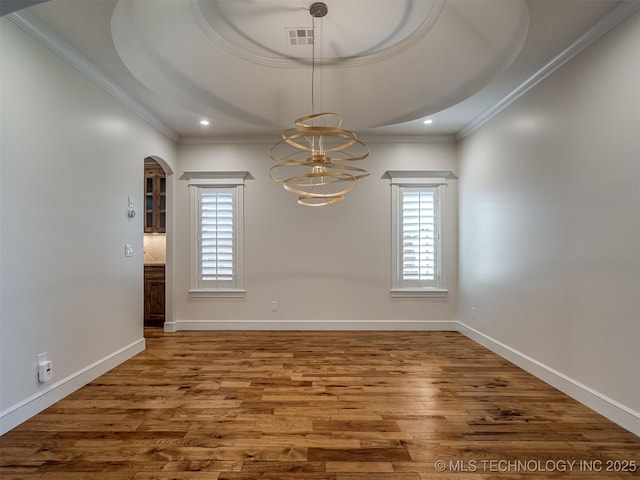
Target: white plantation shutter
<point>419,237</point>
<point>216,237</point>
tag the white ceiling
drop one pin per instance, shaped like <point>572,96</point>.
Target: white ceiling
<point>383,65</point>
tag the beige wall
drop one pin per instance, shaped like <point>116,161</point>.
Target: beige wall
<point>550,223</point>
<point>71,154</point>
<point>323,264</point>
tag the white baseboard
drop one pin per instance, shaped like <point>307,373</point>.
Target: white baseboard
<point>605,406</point>
<point>16,414</point>
<point>302,325</point>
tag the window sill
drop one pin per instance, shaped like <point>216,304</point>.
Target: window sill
<point>419,293</point>
<point>217,293</point>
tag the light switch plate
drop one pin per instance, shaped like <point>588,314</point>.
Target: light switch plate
<point>128,250</point>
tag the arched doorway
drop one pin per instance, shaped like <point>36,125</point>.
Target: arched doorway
<point>156,223</point>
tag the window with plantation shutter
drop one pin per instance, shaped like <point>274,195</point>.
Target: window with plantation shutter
<point>217,233</point>
<point>418,199</point>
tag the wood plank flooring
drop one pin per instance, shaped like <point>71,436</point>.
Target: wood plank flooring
<point>317,406</point>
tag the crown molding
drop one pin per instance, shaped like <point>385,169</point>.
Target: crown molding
<point>271,139</point>
<point>616,16</point>
<point>229,140</point>
<point>372,139</point>
<point>70,55</point>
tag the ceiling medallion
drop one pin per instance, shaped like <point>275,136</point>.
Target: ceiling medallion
<point>310,156</point>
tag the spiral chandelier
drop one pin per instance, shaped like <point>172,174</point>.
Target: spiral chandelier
<point>313,157</point>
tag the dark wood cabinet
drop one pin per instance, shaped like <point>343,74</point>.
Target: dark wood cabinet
<point>153,295</point>
<point>155,198</point>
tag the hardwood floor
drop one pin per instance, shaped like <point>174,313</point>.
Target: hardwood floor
<point>317,406</point>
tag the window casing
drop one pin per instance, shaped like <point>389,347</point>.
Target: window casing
<point>217,236</point>
<point>418,209</point>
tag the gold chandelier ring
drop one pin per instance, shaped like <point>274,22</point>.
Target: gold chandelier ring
<point>313,202</point>
<point>307,194</point>
<point>361,172</point>
<point>341,141</point>
<point>304,121</point>
<point>349,157</point>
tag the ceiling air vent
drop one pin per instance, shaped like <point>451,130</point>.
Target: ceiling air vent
<point>300,36</point>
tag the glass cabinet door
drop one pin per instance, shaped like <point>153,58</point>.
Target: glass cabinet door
<point>155,198</point>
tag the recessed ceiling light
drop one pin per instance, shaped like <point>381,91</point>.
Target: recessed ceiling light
<point>204,122</point>
<point>428,121</point>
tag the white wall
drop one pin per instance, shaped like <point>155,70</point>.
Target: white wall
<point>550,222</point>
<point>70,155</point>
<point>325,264</point>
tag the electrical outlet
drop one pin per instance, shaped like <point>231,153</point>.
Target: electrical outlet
<point>45,371</point>
<point>274,305</point>
<point>473,313</point>
<point>45,368</point>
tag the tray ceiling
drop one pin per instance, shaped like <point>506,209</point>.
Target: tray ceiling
<point>384,66</point>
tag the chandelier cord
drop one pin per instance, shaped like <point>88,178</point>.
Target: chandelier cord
<point>313,107</point>
<point>313,62</point>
